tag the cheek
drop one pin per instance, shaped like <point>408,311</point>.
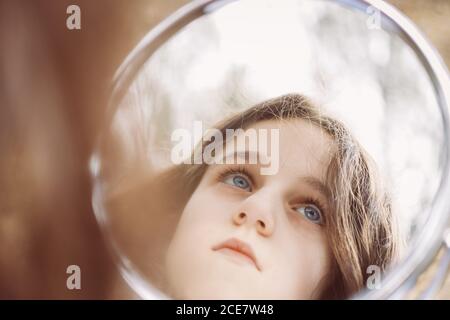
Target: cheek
<point>309,257</point>
<point>206,206</point>
<point>313,258</point>
<point>212,206</point>
<point>202,224</point>
<point>204,215</point>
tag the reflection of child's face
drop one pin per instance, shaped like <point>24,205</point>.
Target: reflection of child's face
<point>279,216</point>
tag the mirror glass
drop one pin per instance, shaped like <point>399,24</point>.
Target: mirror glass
<point>350,177</point>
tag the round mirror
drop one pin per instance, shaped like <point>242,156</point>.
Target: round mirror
<point>293,149</point>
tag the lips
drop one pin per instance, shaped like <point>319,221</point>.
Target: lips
<point>238,247</point>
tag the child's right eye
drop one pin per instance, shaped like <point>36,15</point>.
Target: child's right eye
<point>238,180</point>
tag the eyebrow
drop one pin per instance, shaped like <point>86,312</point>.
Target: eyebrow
<point>247,154</point>
<point>318,185</point>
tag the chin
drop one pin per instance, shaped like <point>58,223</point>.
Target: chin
<point>221,289</point>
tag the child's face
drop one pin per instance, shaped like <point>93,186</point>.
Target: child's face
<point>279,216</point>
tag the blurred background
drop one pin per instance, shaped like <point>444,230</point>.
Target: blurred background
<point>54,85</point>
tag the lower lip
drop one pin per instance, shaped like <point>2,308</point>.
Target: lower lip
<point>237,257</point>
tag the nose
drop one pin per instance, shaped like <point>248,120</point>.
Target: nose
<point>256,216</point>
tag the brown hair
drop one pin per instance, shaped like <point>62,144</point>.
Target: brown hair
<point>362,230</point>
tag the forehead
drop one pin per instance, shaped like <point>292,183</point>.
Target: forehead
<point>302,145</point>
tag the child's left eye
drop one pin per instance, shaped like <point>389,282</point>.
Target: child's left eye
<point>311,212</point>
<point>239,181</point>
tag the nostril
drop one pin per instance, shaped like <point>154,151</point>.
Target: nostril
<point>240,218</point>
<point>262,224</point>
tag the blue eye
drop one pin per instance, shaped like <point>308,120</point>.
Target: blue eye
<point>312,213</point>
<point>239,181</point>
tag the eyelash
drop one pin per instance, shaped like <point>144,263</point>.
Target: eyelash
<point>242,170</point>
<point>316,202</point>
<point>238,170</point>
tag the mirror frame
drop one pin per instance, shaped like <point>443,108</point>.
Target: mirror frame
<point>402,277</point>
